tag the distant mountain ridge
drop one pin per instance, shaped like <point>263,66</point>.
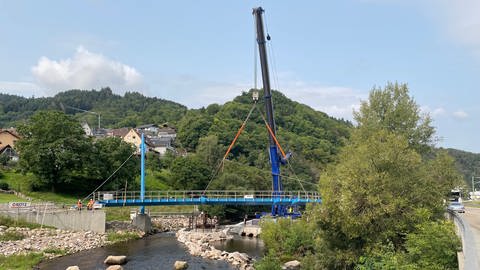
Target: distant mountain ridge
<point>116,111</point>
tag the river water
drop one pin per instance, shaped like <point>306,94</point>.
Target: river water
<point>159,251</point>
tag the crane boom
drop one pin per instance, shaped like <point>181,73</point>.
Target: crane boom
<point>274,154</point>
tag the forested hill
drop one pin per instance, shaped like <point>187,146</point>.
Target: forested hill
<point>129,110</point>
<point>467,163</point>
<point>313,137</point>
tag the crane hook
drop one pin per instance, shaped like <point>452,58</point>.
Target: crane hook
<point>268,36</point>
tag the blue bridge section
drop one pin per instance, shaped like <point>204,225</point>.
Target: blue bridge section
<point>200,197</point>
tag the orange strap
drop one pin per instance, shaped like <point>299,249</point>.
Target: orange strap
<point>234,140</point>
<point>275,139</point>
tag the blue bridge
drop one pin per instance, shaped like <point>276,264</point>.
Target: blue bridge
<point>200,197</point>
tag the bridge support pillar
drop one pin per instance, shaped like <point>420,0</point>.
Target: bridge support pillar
<point>143,222</point>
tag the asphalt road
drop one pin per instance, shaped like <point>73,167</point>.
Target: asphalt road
<point>472,217</point>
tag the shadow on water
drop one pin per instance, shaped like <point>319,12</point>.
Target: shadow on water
<point>252,246</point>
<point>158,251</point>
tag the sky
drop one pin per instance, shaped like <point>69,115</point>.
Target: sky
<point>326,54</point>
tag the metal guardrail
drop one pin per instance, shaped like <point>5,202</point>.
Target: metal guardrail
<point>196,197</point>
<point>469,248</point>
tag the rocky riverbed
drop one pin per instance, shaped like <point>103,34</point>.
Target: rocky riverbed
<point>39,240</point>
<point>201,244</point>
<point>46,239</point>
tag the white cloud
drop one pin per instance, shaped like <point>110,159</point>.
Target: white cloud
<point>459,20</point>
<point>437,112</point>
<point>337,101</point>
<point>25,89</point>
<point>194,93</point>
<point>460,114</point>
<point>85,70</point>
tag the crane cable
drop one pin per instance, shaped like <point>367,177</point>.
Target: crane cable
<point>220,164</point>
<point>281,150</point>
<point>272,134</point>
<point>103,183</point>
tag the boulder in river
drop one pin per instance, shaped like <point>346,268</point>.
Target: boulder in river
<point>180,265</point>
<point>291,265</point>
<point>115,267</point>
<point>115,259</point>
<point>73,268</point>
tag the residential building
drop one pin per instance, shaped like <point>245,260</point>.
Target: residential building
<point>8,139</point>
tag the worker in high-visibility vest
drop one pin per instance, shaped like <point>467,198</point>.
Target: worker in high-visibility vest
<point>90,204</point>
<point>79,205</point>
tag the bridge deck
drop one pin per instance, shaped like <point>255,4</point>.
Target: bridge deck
<point>199,197</point>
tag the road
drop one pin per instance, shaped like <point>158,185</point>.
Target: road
<point>472,218</point>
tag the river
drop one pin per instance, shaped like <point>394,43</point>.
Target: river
<point>159,251</point>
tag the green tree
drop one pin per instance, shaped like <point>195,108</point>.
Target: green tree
<point>108,155</point>
<point>383,185</point>
<point>210,151</point>
<point>392,109</point>
<point>433,245</point>
<point>189,173</point>
<point>53,147</point>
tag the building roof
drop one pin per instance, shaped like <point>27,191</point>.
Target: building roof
<point>119,132</point>
<point>159,142</point>
<point>4,148</point>
<point>147,126</point>
<point>167,130</point>
<point>11,131</point>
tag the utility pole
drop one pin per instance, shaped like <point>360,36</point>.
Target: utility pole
<point>82,110</point>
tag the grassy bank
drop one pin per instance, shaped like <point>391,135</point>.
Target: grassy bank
<point>6,198</point>
<point>21,262</point>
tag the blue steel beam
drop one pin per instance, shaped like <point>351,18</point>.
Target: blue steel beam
<point>208,201</point>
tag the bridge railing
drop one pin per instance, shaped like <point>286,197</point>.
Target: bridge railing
<point>211,194</point>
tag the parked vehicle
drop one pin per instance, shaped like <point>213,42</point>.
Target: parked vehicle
<point>456,207</point>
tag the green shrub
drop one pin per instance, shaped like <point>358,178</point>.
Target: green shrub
<point>10,222</point>
<point>20,262</point>
<point>4,186</point>
<point>115,237</point>
<point>269,262</point>
<point>11,236</point>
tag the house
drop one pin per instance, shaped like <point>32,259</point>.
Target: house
<point>134,137</point>
<point>118,132</point>
<point>160,145</point>
<point>167,132</point>
<point>8,139</point>
<point>86,128</point>
<point>9,152</point>
<point>150,129</point>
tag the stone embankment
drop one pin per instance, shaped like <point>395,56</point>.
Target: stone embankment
<point>169,223</point>
<point>38,240</point>
<point>200,244</point>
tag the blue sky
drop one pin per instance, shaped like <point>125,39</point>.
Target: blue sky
<point>326,54</point>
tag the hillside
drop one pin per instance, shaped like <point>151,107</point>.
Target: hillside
<point>313,137</point>
<point>131,110</point>
<point>467,163</point>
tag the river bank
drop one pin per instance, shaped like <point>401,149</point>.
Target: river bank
<point>51,243</point>
<point>157,251</point>
<point>201,244</point>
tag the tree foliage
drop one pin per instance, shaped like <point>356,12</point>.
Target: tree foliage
<point>53,147</point>
<point>384,192</point>
<point>392,109</point>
